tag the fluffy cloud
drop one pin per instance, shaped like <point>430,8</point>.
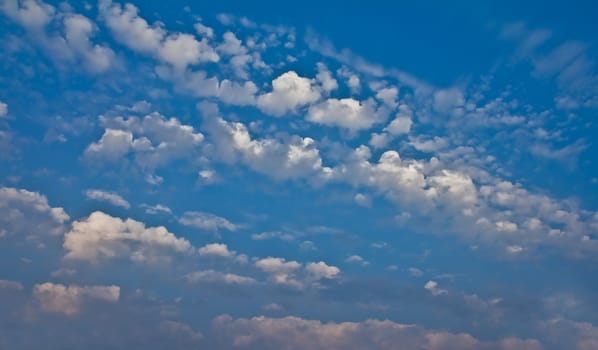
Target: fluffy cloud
<point>101,236</point>
<point>280,271</point>
<point>347,113</point>
<point>110,197</point>
<point>292,158</point>
<point>206,221</point>
<point>295,333</point>
<point>321,270</point>
<point>153,140</point>
<point>71,44</point>
<point>68,300</point>
<point>215,249</point>
<point>289,92</point>
<point>178,49</point>
<point>28,213</point>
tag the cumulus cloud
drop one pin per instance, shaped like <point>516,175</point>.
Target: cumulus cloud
<point>289,92</point>
<point>291,158</point>
<point>29,213</point>
<point>71,44</point>
<point>101,236</point>
<point>322,270</point>
<point>347,113</point>
<point>280,271</point>
<point>67,300</point>
<point>178,49</point>
<point>153,140</point>
<point>295,333</point>
<point>110,197</point>
<point>216,249</point>
<point>206,221</point>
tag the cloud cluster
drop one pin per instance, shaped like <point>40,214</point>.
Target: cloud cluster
<point>101,236</point>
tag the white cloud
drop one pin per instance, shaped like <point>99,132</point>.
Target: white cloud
<point>289,92</point>
<point>68,300</point>
<point>211,276</point>
<point>156,209</point>
<point>28,213</point>
<point>69,45</point>
<point>293,333</point>
<point>388,95</point>
<point>356,259</point>
<point>153,140</point>
<point>321,270</point>
<point>110,197</point>
<point>206,221</point>
<point>178,49</point>
<point>325,78</point>
<point>347,113</point>
<point>101,236</point>
<point>272,234</point>
<point>432,287</point>
<point>292,158</point>
<point>402,122</point>
<point>112,146</point>
<point>216,249</point>
<point>280,271</point>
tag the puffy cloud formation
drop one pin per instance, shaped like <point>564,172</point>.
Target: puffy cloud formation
<point>178,49</point>
<point>110,197</point>
<point>68,300</point>
<point>215,249</point>
<point>293,158</point>
<point>289,92</point>
<point>28,213</point>
<point>295,333</point>
<point>293,274</point>
<point>206,221</point>
<point>69,45</point>
<point>101,236</point>
<point>322,270</point>
<point>153,140</point>
<point>347,113</point>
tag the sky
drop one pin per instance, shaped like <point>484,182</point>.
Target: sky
<point>322,175</point>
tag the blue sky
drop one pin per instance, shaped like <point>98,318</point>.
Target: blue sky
<point>331,175</point>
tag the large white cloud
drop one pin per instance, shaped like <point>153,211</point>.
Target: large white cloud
<point>347,113</point>
<point>178,49</point>
<point>295,333</point>
<point>68,300</point>
<point>101,236</point>
<point>293,158</point>
<point>289,92</point>
<point>28,213</point>
<point>72,44</point>
<point>153,140</point>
